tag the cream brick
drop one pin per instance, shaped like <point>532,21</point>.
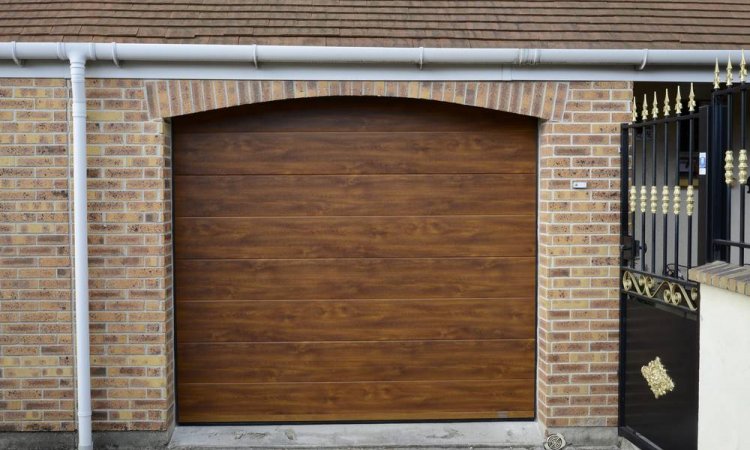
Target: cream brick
<point>582,266</point>
<point>130,225</point>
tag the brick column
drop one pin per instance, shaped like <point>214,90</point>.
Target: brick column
<point>130,256</point>
<point>578,257</point>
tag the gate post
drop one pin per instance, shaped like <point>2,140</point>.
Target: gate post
<point>704,238</point>
<point>716,191</point>
<point>625,240</point>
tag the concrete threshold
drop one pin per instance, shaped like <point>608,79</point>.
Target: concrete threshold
<point>512,435</point>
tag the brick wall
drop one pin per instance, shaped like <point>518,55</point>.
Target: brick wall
<point>579,257</point>
<point>130,259</point>
<point>130,240</point>
<point>129,248</point>
<point>35,301</point>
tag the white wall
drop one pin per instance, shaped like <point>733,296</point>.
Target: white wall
<point>724,395</point>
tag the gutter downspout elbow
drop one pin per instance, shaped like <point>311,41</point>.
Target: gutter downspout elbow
<point>80,223</point>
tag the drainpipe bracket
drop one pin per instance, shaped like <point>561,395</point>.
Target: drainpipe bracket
<point>14,54</point>
<point>528,57</point>
<point>61,53</point>
<point>115,60</point>
<point>644,61</point>
<point>255,56</point>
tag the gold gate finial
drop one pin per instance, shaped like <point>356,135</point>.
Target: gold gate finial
<point>676,201</point>
<point>654,200</point>
<point>728,167</point>
<point>717,80</point>
<point>678,103</point>
<point>633,199</point>
<point>655,110</point>
<point>644,199</point>
<point>729,70</point>
<point>644,113</point>
<point>742,166</point>
<point>667,108</point>
<point>691,99</point>
<point>743,68</point>
<point>635,111</point>
<point>689,201</point>
<point>665,199</point>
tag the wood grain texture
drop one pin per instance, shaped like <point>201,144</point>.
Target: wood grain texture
<point>354,237</point>
<point>355,320</point>
<point>356,401</point>
<point>265,153</point>
<point>353,195</point>
<point>254,362</point>
<point>371,278</point>
<point>354,259</point>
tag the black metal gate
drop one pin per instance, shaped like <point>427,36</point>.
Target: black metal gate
<point>661,192</point>
<point>683,188</point>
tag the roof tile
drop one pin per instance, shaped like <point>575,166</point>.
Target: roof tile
<point>441,23</point>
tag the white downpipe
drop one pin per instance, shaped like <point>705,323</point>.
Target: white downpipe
<point>80,222</point>
<point>259,54</point>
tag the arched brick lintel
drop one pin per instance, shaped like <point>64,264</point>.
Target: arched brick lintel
<point>170,98</point>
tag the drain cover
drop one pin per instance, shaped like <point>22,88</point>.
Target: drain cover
<point>554,442</point>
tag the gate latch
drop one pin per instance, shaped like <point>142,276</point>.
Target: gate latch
<point>628,248</point>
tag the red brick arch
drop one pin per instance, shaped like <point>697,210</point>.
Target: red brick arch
<point>545,100</point>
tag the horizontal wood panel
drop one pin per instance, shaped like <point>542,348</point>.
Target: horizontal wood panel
<point>354,401</point>
<point>356,361</point>
<point>337,195</point>
<point>354,237</point>
<point>289,279</point>
<point>354,259</point>
<point>509,151</point>
<point>351,320</point>
<point>351,114</point>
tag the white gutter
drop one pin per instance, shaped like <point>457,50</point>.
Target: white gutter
<point>382,63</point>
<point>252,54</point>
<point>79,53</point>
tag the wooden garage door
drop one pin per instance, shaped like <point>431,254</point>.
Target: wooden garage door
<point>354,259</point>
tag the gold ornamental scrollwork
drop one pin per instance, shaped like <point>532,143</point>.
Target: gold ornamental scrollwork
<point>669,292</point>
<point>657,378</point>
<point>640,284</point>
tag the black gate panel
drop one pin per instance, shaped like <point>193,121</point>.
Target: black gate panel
<point>654,331</point>
<point>661,190</point>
